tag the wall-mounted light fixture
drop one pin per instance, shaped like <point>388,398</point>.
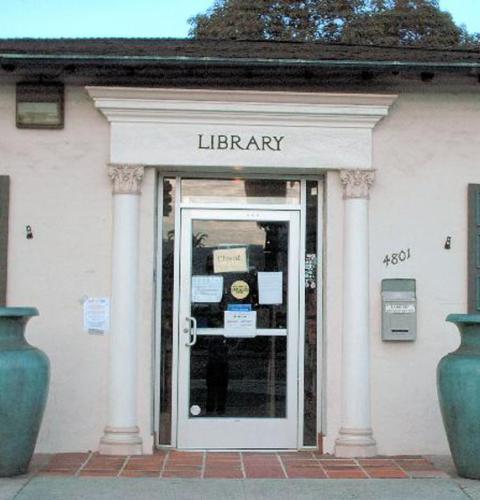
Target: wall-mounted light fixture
<point>40,105</point>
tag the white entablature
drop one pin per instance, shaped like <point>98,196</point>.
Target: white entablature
<point>162,127</point>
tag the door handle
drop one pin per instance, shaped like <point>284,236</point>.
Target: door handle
<point>192,331</point>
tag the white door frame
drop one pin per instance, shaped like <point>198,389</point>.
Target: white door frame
<point>321,361</point>
<point>239,433</point>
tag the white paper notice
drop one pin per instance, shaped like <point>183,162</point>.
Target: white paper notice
<point>207,288</point>
<point>96,314</point>
<point>240,323</point>
<point>230,260</point>
<point>270,288</point>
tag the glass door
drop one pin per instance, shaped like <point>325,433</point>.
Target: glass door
<point>238,361</point>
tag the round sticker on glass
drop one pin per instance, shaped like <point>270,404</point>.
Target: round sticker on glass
<point>240,289</point>
<point>195,410</point>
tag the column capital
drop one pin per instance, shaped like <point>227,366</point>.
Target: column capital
<point>126,179</point>
<point>356,183</point>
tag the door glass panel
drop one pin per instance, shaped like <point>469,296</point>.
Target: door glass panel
<point>241,191</point>
<point>168,245</point>
<point>238,377</point>
<point>311,292</point>
<point>240,288</point>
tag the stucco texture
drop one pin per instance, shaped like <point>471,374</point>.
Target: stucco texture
<point>425,153</point>
<point>59,187</point>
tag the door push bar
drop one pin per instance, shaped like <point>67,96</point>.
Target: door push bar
<point>192,331</point>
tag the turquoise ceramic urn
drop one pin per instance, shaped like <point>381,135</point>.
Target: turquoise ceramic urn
<point>24,378</point>
<point>458,385</point>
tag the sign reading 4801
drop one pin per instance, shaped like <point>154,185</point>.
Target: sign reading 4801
<point>396,258</point>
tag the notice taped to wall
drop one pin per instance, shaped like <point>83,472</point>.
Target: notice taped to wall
<point>96,314</point>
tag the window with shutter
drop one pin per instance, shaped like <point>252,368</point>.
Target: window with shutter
<point>4,199</point>
<point>474,248</point>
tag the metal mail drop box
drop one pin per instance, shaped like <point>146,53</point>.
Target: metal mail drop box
<point>399,310</point>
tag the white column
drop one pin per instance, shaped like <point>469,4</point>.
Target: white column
<point>121,435</point>
<point>355,438</point>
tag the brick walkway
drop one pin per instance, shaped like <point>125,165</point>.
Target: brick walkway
<point>245,465</point>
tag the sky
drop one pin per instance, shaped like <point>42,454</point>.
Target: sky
<point>137,18</point>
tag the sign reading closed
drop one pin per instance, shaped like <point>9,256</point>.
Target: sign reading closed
<point>230,260</point>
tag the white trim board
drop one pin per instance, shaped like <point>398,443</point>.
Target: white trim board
<point>174,127</point>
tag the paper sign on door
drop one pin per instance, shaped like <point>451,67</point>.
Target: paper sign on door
<point>270,288</point>
<point>240,323</point>
<point>207,289</point>
<point>230,260</point>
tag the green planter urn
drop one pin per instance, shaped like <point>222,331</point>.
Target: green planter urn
<point>24,378</point>
<point>458,385</point>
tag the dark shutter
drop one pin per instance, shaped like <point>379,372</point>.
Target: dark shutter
<point>474,248</point>
<point>4,198</point>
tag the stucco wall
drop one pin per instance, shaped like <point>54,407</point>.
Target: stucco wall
<point>59,188</point>
<point>425,153</point>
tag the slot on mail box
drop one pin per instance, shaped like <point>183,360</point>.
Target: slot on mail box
<point>399,310</point>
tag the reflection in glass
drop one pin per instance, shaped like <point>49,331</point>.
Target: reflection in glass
<point>236,376</point>
<point>241,191</point>
<point>239,377</point>
<point>266,245</point>
<point>311,286</point>
<point>168,239</point>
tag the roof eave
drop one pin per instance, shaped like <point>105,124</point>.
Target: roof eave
<point>80,60</point>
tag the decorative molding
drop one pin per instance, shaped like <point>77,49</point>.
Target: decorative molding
<point>352,442</point>
<point>223,107</point>
<point>121,441</point>
<point>160,127</point>
<point>126,179</point>
<point>356,183</point>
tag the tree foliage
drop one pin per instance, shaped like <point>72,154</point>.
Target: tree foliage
<point>379,22</point>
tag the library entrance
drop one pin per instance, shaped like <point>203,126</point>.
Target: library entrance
<point>239,329</point>
<point>224,281</point>
<point>241,353</point>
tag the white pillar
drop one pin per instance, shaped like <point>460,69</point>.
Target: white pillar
<point>121,435</point>
<point>355,438</point>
